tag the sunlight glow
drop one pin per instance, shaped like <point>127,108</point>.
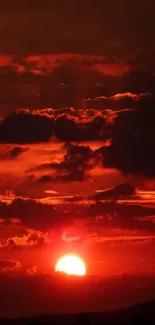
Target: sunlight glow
<point>71,264</point>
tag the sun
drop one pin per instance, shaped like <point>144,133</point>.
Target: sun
<point>71,264</point>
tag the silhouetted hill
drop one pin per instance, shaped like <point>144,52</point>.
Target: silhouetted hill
<point>143,313</point>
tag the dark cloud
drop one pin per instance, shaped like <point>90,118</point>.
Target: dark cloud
<point>99,217</point>
<point>78,160</point>
<point>70,177</point>
<point>47,81</point>
<point>75,199</point>
<point>16,151</point>
<point>24,127</point>
<point>68,129</point>
<point>79,176</point>
<point>122,209</point>
<point>120,191</point>
<point>34,214</point>
<point>93,122</point>
<point>67,80</point>
<point>41,216</point>
<point>12,153</point>
<point>133,140</point>
<point>120,101</point>
<point>46,179</point>
<point>121,215</point>
<point>44,217</point>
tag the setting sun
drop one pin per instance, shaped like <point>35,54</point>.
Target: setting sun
<point>72,265</point>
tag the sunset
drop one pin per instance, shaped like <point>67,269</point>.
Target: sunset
<point>71,265</point>
<point>77,160</point>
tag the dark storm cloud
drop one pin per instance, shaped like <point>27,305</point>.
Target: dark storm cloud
<point>23,126</point>
<point>131,132</point>
<point>66,129</point>
<point>133,142</point>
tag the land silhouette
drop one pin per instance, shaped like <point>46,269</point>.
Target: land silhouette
<point>143,313</point>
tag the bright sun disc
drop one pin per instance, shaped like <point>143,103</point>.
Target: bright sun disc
<point>71,264</point>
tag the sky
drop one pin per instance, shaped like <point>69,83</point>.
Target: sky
<point>77,161</point>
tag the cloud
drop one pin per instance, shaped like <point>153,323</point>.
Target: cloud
<point>115,211</point>
<point>130,95</point>
<point>77,125</point>
<point>16,151</point>
<point>131,149</point>
<point>123,209</point>
<point>95,128</point>
<point>120,191</point>
<point>72,80</point>
<point>25,127</point>
<point>34,215</point>
<point>45,64</point>
<point>12,153</point>
<point>32,271</point>
<point>69,239</point>
<point>119,101</point>
<point>9,266</point>
<point>8,221</point>
<point>133,239</point>
<point>46,179</point>
<point>48,81</point>
<point>78,160</point>
<point>30,239</point>
<point>120,215</point>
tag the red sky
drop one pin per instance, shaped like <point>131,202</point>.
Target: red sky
<point>77,161</point>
